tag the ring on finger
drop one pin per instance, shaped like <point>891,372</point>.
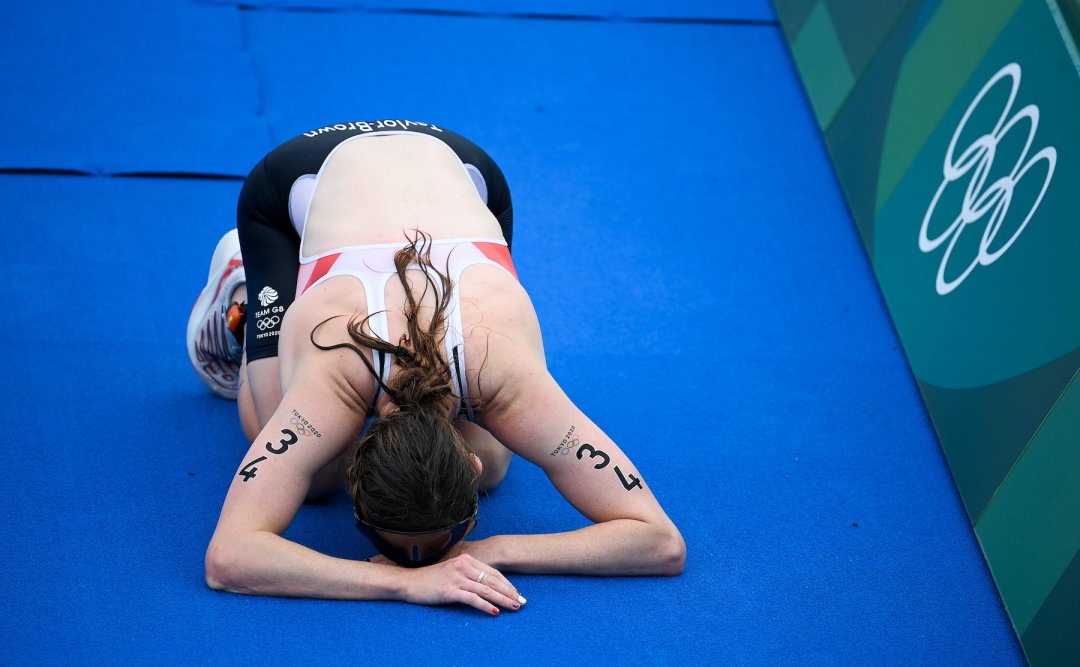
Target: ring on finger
<point>480,577</point>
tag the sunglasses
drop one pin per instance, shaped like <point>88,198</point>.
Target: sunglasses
<point>415,548</point>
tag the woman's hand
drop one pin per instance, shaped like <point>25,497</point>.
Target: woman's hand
<point>461,579</point>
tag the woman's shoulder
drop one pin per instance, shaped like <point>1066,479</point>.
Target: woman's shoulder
<point>493,298</point>
<point>315,340</point>
<point>500,327</point>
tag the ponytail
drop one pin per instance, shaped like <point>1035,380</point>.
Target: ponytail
<point>413,469</point>
<point>423,379</point>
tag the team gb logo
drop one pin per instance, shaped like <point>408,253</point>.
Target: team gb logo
<point>267,296</point>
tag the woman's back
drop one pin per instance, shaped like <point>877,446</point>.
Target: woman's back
<point>375,189</point>
<point>378,191</point>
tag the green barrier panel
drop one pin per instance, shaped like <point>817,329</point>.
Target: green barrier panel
<point>954,129</point>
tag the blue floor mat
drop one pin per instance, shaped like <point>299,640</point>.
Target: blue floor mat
<point>679,10</point>
<point>764,456</point>
<point>571,92</point>
<point>136,87</point>
<point>703,296</point>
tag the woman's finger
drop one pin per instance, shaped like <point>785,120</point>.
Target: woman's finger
<point>471,568</point>
<point>491,594</point>
<point>477,602</point>
<point>487,582</point>
<point>496,581</point>
<point>484,577</point>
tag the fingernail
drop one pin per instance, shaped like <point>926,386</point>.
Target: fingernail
<point>494,611</point>
<point>522,599</point>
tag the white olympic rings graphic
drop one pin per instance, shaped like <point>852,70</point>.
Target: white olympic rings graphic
<point>980,199</point>
<point>267,323</point>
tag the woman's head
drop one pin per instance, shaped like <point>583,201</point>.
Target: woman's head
<point>413,471</point>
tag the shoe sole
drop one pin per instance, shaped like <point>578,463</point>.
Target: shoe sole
<point>221,264</point>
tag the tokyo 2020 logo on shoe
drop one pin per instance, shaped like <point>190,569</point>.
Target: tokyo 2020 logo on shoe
<point>267,296</point>
<point>985,203</point>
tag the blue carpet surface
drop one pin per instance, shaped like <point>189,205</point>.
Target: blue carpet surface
<point>127,87</point>
<point>656,10</point>
<point>703,296</point>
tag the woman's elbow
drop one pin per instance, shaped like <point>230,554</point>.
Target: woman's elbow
<point>671,555</point>
<point>223,571</point>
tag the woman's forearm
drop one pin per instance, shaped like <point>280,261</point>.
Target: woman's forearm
<point>624,547</point>
<point>262,563</point>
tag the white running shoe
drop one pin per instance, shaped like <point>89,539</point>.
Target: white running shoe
<point>214,351</point>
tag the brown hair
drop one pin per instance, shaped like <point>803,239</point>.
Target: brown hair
<point>412,470</point>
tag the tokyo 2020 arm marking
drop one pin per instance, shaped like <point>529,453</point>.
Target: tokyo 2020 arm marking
<point>586,452</point>
<point>300,429</point>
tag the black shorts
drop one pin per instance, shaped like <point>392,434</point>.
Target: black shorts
<point>270,243</point>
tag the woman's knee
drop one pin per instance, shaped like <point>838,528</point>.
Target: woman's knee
<point>258,395</point>
<point>245,406</point>
<point>327,481</point>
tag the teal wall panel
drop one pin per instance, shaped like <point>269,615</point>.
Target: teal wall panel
<point>952,128</point>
